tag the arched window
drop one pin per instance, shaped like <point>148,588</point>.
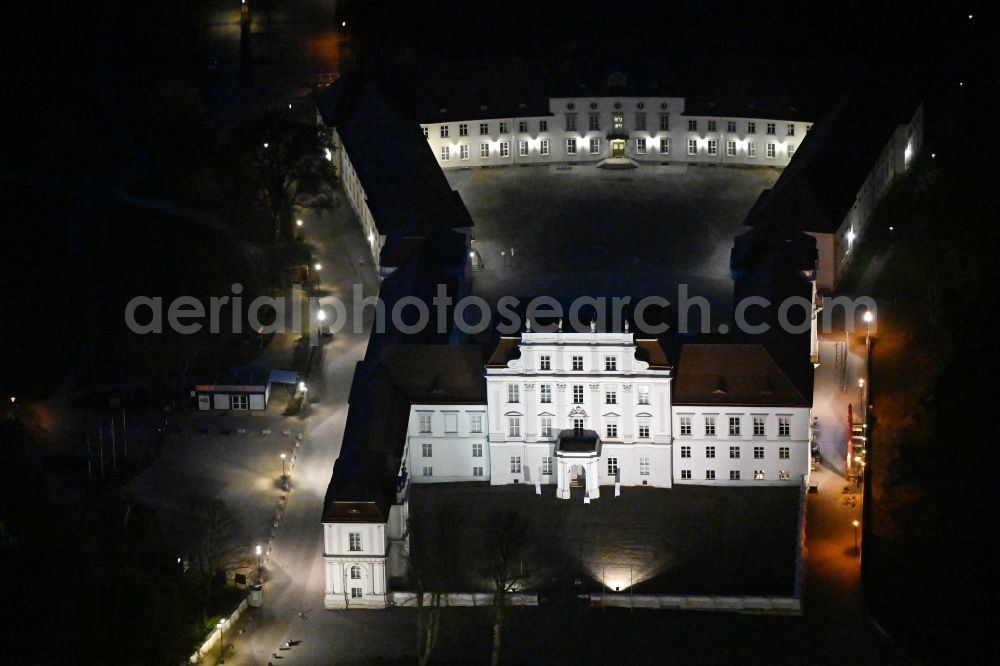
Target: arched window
<point>355,572</point>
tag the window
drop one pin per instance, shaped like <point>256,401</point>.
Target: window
<point>477,471</point>
<point>734,475</point>
<point>692,126</point>
<point>241,402</point>
<point>522,148</point>
<point>644,429</point>
<point>734,452</point>
<point>730,125</point>
<point>711,126</point>
<point>610,363</point>
<point>713,147</point>
<point>665,146</point>
<point>595,122</point>
<point>612,466</point>
<point>545,393</point>
<point>618,120</point>
<point>463,129</point>
<point>543,126</point>
<point>546,426</point>
<point>428,471</point>
<point>477,450</point>
<point>758,475</point>
<point>484,150</point>
<point>463,152</point>
<point>730,149</point>
<point>595,146</point>
<point>692,146</point>
<point>783,475</point>
<point>355,572</point>
<point>476,423</point>
<point>578,424</point>
<point>640,146</point>
<point>685,425</point>
<point>751,127</point>
<point>709,425</point>
<point>354,541</point>
<point>610,397</point>
<point>640,122</point>
<point>770,150</point>
<point>685,452</point>
<point>758,426</point>
<point>783,453</point>
<point>571,146</point>
<point>515,464</point>
<point>426,133</point>
<point>444,131</point>
<point>734,426</point>
<point>784,426</point>
<point>770,128</point>
<point>643,395</point>
<point>522,126</point>
<point>484,129</point>
<point>577,394</point>
<point>504,149</point>
<point>445,153</point>
<point>791,129</point>
<point>686,474</point>
<point>611,430</point>
<point>751,149</point>
<point>709,474</point>
<point>791,151</point>
<point>709,451</point>
<point>570,122</point>
<point>425,423</point>
<point>544,362</point>
<point>578,363</point>
<point>644,466</point>
<point>357,593</point>
<point>543,147</point>
<point>504,127</point>
<point>758,453</point>
<point>427,450</point>
<point>664,122</point>
<point>546,465</point>
<point>513,393</point>
<point>513,426</point>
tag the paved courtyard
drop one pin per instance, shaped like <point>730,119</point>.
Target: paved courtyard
<point>589,231</point>
<point>683,540</point>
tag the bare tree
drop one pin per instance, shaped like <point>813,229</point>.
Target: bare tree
<point>432,565</point>
<point>505,538</point>
<point>211,538</point>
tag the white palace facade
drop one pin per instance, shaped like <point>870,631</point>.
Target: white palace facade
<point>579,410</point>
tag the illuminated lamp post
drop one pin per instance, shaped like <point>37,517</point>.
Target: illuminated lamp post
<point>259,551</point>
<point>857,551</point>
<point>283,457</point>
<point>222,642</point>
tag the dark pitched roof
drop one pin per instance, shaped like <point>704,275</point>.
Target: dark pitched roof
<point>363,485</point>
<point>507,349</point>
<point>729,374</point>
<point>651,352</point>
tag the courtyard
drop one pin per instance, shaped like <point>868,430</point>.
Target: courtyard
<point>684,540</point>
<point>576,230</point>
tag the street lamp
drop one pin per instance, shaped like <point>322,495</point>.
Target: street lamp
<point>283,457</point>
<point>868,318</point>
<point>259,551</point>
<point>222,643</point>
<point>318,266</point>
<point>299,223</point>
<point>856,550</point>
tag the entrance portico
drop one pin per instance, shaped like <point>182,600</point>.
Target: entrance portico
<point>577,448</point>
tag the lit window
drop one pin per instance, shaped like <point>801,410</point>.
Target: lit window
<point>426,133</point>
<point>784,475</point>
<point>618,122</point>
<point>758,475</point>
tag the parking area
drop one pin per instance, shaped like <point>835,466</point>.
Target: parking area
<point>568,231</point>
